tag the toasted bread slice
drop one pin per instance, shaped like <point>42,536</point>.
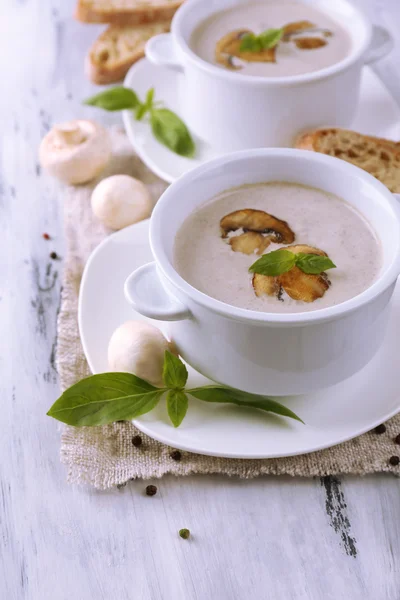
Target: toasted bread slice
<point>117,48</point>
<point>126,12</point>
<point>378,156</point>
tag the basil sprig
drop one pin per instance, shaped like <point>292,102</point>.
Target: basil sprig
<point>280,261</point>
<point>166,126</point>
<point>265,40</point>
<point>110,397</point>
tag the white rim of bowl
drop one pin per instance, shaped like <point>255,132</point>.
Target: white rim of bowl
<point>387,277</point>
<point>260,80</point>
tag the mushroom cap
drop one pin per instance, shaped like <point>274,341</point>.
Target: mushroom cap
<point>139,348</point>
<point>121,200</point>
<point>76,151</point>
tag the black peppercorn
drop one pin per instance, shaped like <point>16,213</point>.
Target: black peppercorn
<point>151,490</point>
<point>176,455</point>
<point>137,441</point>
<point>184,533</point>
<point>380,429</point>
<point>394,461</point>
<point>397,439</point>
<point>53,255</point>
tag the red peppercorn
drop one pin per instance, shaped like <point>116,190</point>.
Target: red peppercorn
<point>46,236</point>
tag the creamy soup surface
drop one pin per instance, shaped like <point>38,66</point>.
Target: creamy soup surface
<point>319,219</point>
<point>289,59</point>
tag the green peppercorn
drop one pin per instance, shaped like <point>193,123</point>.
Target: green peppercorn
<point>184,533</point>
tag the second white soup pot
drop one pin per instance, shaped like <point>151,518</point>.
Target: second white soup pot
<point>269,353</point>
<point>233,111</point>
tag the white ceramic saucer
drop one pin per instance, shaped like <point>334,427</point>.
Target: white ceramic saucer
<point>332,416</point>
<point>378,114</point>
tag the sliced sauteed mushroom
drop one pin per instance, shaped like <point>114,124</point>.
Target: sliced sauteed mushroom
<point>296,27</point>
<point>297,284</point>
<point>265,285</point>
<point>250,242</point>
<point>303,286</point>
<point>228,48</point>
<point>309,43</point>
<point>250,219</point>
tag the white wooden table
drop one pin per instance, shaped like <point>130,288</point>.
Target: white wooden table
<point>270,538</point>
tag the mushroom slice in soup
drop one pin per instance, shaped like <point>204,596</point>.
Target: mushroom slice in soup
<point>228,47</point>
<point>297,284</point>
<point>296,27</point>
<point>265,285</point>
<point>259,221</point>
<point>309,43</point>
<point>304,286</point>
<point>250,242</point>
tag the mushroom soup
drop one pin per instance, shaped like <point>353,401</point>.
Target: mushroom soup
<point>272,39</point>
<point>218,243</point>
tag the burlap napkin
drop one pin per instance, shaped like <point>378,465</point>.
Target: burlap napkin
<point>105,456</point>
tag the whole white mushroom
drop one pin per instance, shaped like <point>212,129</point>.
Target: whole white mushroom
<point>75,152</point>
<point>121,200</point>
<point>139,348</point>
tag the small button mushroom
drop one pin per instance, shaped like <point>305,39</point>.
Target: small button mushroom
<point>121,200</point>
<point>75,152</point>
<point>139,348</point>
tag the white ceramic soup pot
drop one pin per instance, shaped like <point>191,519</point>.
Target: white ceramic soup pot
<point>269,353</point>
<point>237,112</point>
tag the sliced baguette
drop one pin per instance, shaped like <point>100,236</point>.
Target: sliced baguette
<point>378,156</point>
<point>126,12</point>
<point>117,48</point>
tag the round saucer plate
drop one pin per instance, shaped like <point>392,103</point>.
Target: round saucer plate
<point>378,114</point>
<point>332,416</point>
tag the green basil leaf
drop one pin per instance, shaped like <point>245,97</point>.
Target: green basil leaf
<point>270,38</point>
<point>174,372</point>
<point>172,132</point>
<point>313,263</point>
<point>140,111</point>
<point>274,263</point>
<point>105,398</point>
<point>177,405</point>
<point>117,98</point>
<point>222,394</point>
<point>250,43</point>
<point>149,98</point>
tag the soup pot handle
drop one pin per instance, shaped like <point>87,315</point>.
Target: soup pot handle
<point>381,44</point>
<point>160,51</point>
<point>145,292</point>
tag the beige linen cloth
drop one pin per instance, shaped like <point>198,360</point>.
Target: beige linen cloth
<point>105,456</point>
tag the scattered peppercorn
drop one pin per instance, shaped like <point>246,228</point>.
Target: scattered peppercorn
<point>394,461</point>
<point>151,490</point>
<point>397,439</point>
<point>53,255</point>
<point>176,455</point>
<point>137,441</point>
<point>46,236</point>
<point>381,428</point>
<point>121,485</point>
<point>184,533</point>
